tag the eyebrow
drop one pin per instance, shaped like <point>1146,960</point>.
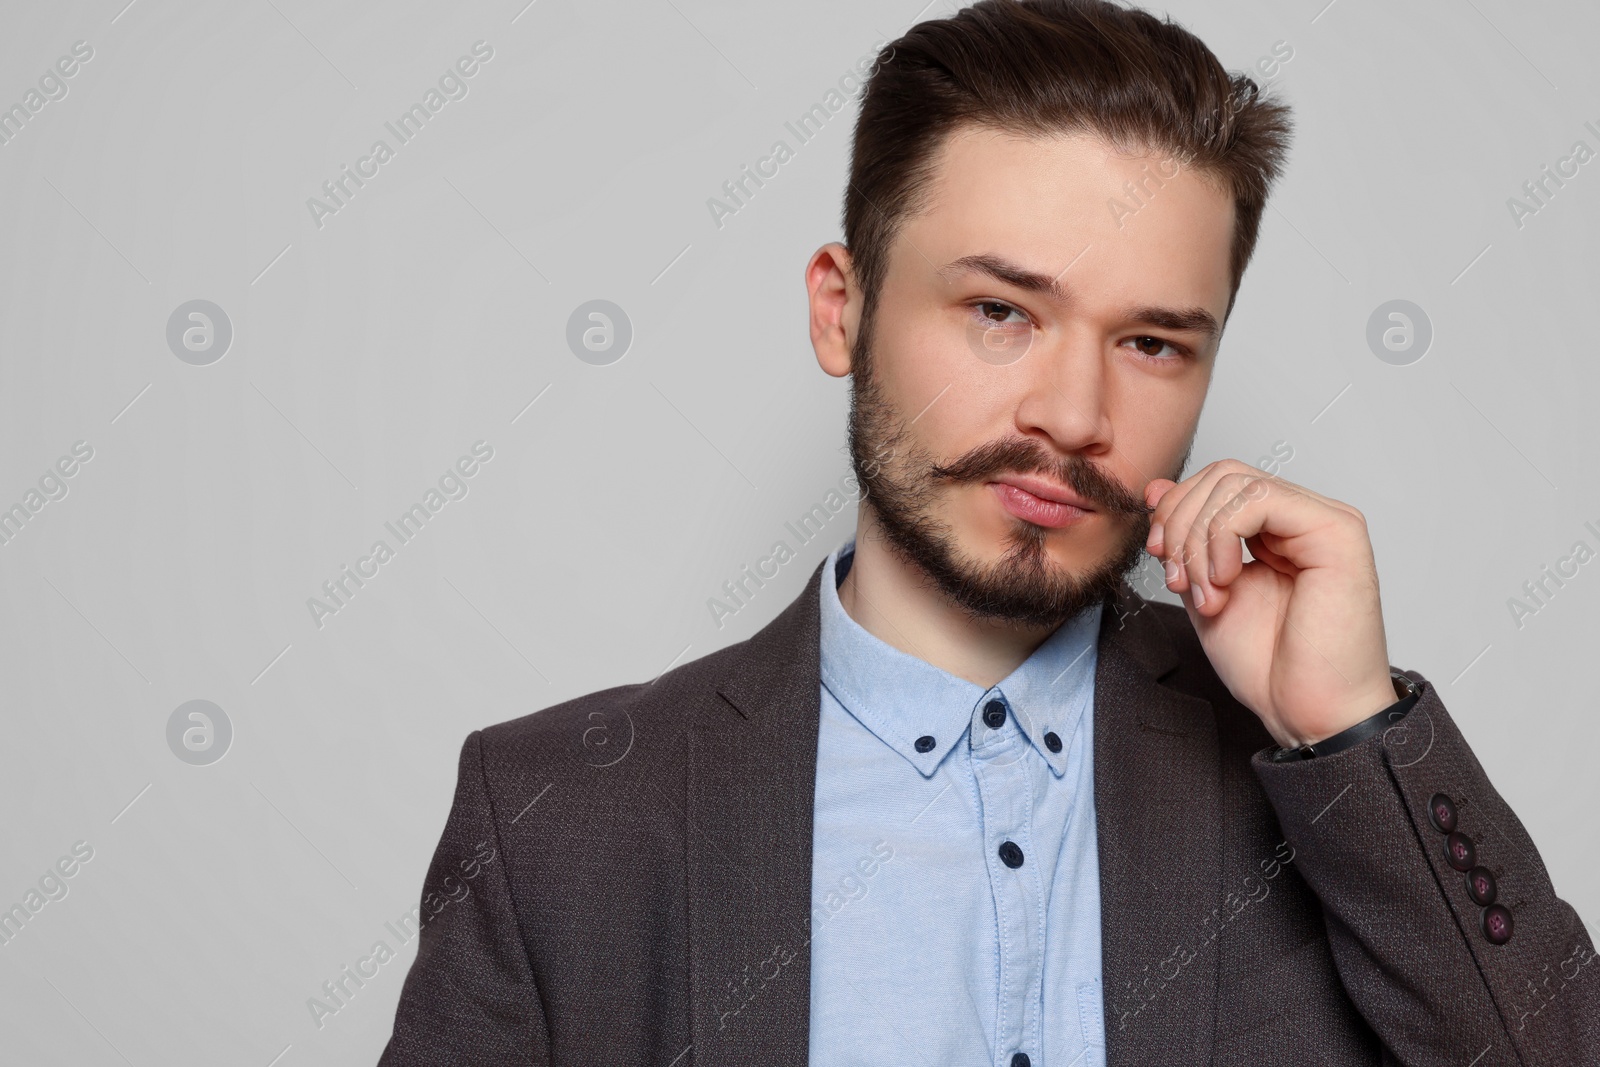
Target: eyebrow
<point>1170,318</point>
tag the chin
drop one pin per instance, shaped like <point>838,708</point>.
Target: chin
<point>1067,548</point>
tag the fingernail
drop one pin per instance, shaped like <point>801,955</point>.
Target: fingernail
<point>1199,595</point>
<point>1211,569</point>
<point>1171,570</point>
<point>1155,535</point>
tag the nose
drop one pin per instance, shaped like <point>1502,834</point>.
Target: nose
<point>1062,393</point>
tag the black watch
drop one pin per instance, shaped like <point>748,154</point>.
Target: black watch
<point>1408,692</point>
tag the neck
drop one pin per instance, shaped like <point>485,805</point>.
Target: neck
<point>896,602</point>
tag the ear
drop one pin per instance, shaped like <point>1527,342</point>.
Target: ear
<point>835,306</point>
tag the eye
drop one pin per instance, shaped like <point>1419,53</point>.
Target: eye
<point>1143,345</point>
<point>995,313</point>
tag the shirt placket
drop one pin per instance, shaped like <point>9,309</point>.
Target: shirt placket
<point>1000,760</point>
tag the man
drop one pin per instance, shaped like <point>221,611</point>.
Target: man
<point>970,798</point>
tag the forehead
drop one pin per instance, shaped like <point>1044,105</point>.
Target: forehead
<point>1047,202</point>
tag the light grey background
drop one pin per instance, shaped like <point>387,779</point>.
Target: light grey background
<point>371,352</point>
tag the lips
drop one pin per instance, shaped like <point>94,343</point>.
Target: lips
<point>1029,499</point>
<point>1046,490</point>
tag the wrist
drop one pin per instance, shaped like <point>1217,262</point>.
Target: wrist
<point>1373,700</point>
<point>1407,692</point>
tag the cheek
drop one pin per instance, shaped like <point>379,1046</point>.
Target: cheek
<point>944,400</point>
<point>966,415</point>
<point>924,358</point>
<point>1153,419</point>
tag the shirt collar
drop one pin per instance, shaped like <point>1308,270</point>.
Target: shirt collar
<point>901,698</point>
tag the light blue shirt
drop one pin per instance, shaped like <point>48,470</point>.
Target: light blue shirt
<point>955,882</point>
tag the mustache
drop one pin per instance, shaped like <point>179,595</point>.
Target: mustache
<point>1019,457</point>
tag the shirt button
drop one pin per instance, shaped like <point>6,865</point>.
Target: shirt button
<point>1497,924</point>
<point>1020,1059</point>
<point>925,743</point>
<point>1460,852</point>
<point>1052,742</point>
<point>994,714</point>
<point>1010,854</point>
<point>1442,813</point>
<point>1481,886</point>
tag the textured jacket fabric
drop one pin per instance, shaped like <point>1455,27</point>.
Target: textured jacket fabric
<point>640,880</point>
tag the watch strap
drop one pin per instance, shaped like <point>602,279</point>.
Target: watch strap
<point>1409,693</point>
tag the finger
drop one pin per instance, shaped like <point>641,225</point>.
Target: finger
<point>1156,489</point>
<point>1281,513</point>
<point>1162,529</point>
<point>1154,493</point>
<point>1183,504</point>
<point>1337,505</point>
<point>1210,546</point>
<point>1261,550</point>
<point>1169,522</point>
<point>1220,558</point>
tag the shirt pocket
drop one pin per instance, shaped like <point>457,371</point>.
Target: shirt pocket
<point>1092,1013</point>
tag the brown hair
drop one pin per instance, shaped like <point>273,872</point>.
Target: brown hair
<point>1043,67</point>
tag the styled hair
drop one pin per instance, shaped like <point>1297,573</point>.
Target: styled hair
<point>1048,67</point>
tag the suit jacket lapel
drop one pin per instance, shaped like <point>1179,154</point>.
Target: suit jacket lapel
<point>751,792</point>
<point>751,781</point>
<point>1157,803</point>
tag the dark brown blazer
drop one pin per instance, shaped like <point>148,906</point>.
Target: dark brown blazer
<point>625,878</point>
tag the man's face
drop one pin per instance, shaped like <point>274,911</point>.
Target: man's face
<point>969,374</point>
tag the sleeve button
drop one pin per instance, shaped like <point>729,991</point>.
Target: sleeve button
<point>1460,852</point>
<point>1442,813</point>
<point>1496,921</point>
<point>1481,886</point>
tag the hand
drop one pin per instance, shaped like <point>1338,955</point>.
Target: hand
<point>1296,634</point>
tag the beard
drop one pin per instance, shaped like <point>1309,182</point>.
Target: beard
<point>903,484</point>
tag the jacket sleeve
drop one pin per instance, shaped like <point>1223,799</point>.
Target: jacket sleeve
<point>1426,964</point>
<point>470,996</point>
